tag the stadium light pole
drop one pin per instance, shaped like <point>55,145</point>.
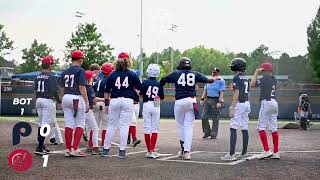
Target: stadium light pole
<point>173,28</point>
<point>141,49</point>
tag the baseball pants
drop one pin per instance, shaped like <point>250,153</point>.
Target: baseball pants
<point>46,109</point>
<point>210,110</point>
<point>120,116</point>
<point>241,116</point>
<point>72,121</point>
<point>268,115</point>
<point>92,125</point>
<point>184,115</point>
<point>151,118</point>
<point>135,114</point>
<point>100,115</point>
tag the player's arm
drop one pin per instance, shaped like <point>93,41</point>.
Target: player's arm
<point>167,79</point>
<point>235,98</point>
<point>107,90</point>
<point>83,89</point>
<point>55,88</point>
<point>161,93</point>
<point>253,82</point>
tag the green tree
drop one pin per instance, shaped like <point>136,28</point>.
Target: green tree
<point>6,45</point>
<point>87,39</point>
<point>314,43</point>
<point>33,56</point>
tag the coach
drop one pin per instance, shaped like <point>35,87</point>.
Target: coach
<point>212,99</point>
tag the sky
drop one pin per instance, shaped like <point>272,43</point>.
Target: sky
<point>226,25</point>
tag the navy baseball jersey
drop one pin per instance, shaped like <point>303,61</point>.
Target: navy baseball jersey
<point>46,86</point>
<point>185,82</point>
<point>267,86</point>
<point>72,78</point>
<point>241,83</point>
<point>151,88</point>
<point>91,95</point>
<point>99,87</point>
<point>122,84</point>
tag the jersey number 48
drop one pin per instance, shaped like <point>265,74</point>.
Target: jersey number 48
<point>187,79</point>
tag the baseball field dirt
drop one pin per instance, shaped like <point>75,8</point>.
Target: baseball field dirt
<point>300,157</point>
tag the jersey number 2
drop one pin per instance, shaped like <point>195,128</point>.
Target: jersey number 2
<point>125,82</point>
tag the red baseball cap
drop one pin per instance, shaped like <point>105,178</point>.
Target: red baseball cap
<point>266,66</point>
<point>124,55</point>
<point>89,74</point>
<point>47,60</point>
<point>77,54</point>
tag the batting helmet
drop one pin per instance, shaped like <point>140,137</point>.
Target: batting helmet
<point>238,64</point>
<point>184,63</point>
<point>266,66</point>
<point>153,70</point>
<point>107,68</point>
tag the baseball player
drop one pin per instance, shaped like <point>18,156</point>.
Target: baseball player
<point>90,119</point>
<point>133,125</point>
<point>304,111</point>
<point>99,109</point>
<point>121,87</point>
<point>46,88</point>
<point>239,109</point>
<point>74,103</point>
<point>152,92</point>
<point>185,107</point>
<point>269,109</point>
<point>95,68</point>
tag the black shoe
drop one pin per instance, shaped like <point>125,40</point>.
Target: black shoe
<point>206,136</point>
<point>85,138</point>
<point>129,140</point>
<point>54,141</point>
<point>46,149</point>
<point>122,154</point>
<point>136,142</point>
<point>40,151</point>
<point>213,137</point>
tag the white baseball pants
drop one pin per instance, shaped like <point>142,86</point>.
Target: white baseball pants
<point>92,124</point>
<point>151,118</point>
<point>68,111</point>
<point>241,116</point>
<point>184,115</point>
<point>100,115</point>
<point>135,114</point>
<point>268,115</point>
<point>120,116</point>
<point>46,109</point>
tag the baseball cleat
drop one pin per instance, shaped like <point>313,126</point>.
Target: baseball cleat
<point>275,156</point>
<point>96,151</point>
<point>40,152</point>
<point>242,156</point>
<point>154,155</point>
<point>186,156</point>
<point>205,136</point>
<point>85,138</point>
<point>180,153</point>
<point>67,153</point>
<point>129,140</point>
<point>229,157</point>
<point>148,155</point>
<point>89,149</point>
<point>53,141</point>
<point>77,153</point>
<point>136,142</point>
<point>105,153</point>
<point>265,154</point>
<point>122,154</point>
<point>47,150</point>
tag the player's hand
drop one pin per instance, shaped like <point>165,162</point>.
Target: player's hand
<point>215,78</point>
<point>259,70</point>
<point>231,111</point>
<point>106,110</point>
<point>59,106</point>
<point>87,108</point>
<point>219,105</point>
<point>201,103</point>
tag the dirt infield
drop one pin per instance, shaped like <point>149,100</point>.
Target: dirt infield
<point>300,158</point>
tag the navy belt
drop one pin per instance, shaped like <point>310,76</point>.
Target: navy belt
<point>212,97</point>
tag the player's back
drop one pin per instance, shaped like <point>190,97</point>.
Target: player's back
<point>268,86</point>
<point>72,78</point>
<point>122,84</point>
<point>185,82</point>
<point>45,85</point>
<point>240,82</point>
<point>99,86</point>
<point>151,88</point>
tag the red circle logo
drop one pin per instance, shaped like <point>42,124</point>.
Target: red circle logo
<point>20,160</point>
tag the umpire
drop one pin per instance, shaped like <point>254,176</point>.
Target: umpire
<point>212,99</point>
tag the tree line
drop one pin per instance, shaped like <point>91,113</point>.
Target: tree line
<point>302,68</point>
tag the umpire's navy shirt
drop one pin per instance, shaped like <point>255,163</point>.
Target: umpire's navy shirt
<point>185,82</point>
<point>151,88</point>
<point>122,84</point>
<point>240,82</point>
<point>72,78</point>
<point>267,86</point>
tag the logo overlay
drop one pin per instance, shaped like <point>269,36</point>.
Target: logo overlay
<point>20,160</point>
